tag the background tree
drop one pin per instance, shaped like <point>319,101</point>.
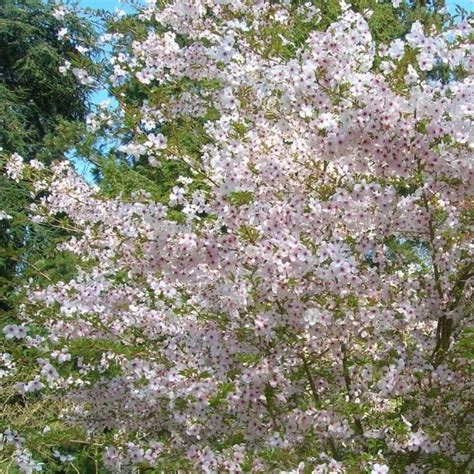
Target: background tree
<point>42,110</point>
<point>44,102</point>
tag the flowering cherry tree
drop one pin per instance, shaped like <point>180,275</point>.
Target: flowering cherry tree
<point>300,300</point>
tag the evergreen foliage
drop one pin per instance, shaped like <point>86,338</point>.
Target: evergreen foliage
<point>42,111</point>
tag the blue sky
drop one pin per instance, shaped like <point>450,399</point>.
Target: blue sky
<point>111,5</point>
<point>468,5</point>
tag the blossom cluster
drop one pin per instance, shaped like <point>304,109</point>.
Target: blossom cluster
<point>303,310</point>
